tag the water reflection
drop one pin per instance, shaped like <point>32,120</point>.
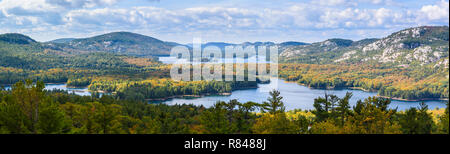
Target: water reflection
<point>294,97</point>
<point>79,91</point>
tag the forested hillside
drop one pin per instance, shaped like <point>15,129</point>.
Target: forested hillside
<point>396,82</point>
<point>130,79</point>
<point>125,43</point>
<point>411,64</point>
<point>28,109</point>
<point>23,58</point>
<point>413,46</point>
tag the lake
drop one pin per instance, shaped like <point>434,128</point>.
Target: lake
<point>78,91</point>
<point>252,59</point>
<point>294,96</point>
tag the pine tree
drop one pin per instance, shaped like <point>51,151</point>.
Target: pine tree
<point>416,121</point>
<point>215,121</point>
<point>274,104</point>
<point>343,108</point>
<point>444,121</point>
<point>325,107</point>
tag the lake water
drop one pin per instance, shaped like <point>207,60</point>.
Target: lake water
<point>252,59</point>
<point>78,91</point>
<point>294,96</point>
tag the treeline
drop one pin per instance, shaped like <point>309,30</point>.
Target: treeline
<point>397,82</point>
<point>79,82</point>
<point>28,108</point>
<point>373,116</point>
<point>32,61</point>
<point>165,88</point>
<point>414,94</point>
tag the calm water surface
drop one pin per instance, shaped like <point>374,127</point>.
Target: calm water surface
<point>294,96</point>
<point>78,91</point>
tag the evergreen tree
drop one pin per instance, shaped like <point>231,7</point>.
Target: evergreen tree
<point>274,124</point>
<point>343,108</point>
<point>324,106</point>
<point>215,121</point>
<point>107,116</point>
<point>52,119</point>
<point>372,118</point>
<point>274,104</point>
<point>444,121</point>
<point>416,121</point>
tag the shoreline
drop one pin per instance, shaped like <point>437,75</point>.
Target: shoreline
<point>50,83</point>
<point>414,100</point>
<point>365,90</point>
<point>193,96</point>
<point>201,95</point>
<point>230,93</point>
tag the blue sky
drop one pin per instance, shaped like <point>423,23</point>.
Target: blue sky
<point>231,21</point>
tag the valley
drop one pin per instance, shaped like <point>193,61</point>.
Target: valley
<point>115,84</point>
<point>411,64</point>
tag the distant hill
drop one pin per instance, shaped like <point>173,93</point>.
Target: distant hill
<point>320,52</point>
<point>14,38</point>
<point>284,45</point>
<point>62,40</point>
<point>126,43</point>
<point>281,46</point>
<point>21,51</point>
<point>419,45</point>
<point>412,46</point>
<point>292,43</point>
<point>221,45</point>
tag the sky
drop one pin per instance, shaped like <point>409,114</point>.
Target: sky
<point>233,21</point>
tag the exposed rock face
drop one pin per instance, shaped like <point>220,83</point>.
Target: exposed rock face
<point>290,52</point>
<point>443,63</point>
<point>419,45</point>
<point>397,45</point>
<point>332,46</point>
<point>425,55</point>
<point>346,56</point>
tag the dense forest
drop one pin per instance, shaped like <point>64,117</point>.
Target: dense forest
<point>133,76</point>
<point>128,77</point>
<point>129,80</point>
<point>23,58</point>
<point>28,108</point>
<point>396,82</point>
<point>164,88</point>
<point>410,64</point>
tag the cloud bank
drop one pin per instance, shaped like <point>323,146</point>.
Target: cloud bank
<point>299,21</point>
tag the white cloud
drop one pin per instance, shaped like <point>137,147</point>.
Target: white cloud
<point>222,19</point>
<point>95,16</point>
<point>12,7</point>
<point>18,12</point>
<point>439,11</point>
<point>334,2</point>
<point>48,11</point>
<point>81,3</point>
<point>381,2</point>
